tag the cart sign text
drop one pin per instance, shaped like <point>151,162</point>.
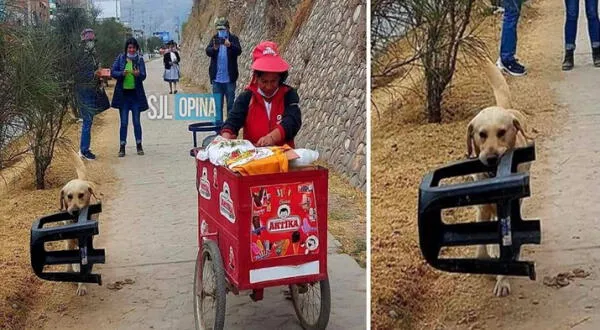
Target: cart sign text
<point>226,204</point>
<point>204,185</point>
<point>282,225</point>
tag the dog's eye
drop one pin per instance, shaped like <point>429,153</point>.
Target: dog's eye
<point>483,135</point>
<point>70,196</point>
<point>80,196</point>
<point>501,133</point>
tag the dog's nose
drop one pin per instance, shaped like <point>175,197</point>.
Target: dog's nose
<point>492,160</point>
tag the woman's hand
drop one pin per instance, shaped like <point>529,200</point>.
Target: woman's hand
<point>136,72</point>
<point>265,141</point>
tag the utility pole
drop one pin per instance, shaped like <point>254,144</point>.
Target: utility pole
<point>177,30</point>
<point>131,15</point>
<point>28,12</point>
<point>145,39</point>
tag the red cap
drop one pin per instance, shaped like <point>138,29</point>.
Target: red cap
<point>265,57</point>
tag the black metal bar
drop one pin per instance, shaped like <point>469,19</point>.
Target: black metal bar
<point>81,228</point>
<point>505,189</point>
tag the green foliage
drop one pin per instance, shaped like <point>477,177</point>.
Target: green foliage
<point>40,66</point>
<point>110,40</point>
<point>153,43</point>
<point>35,71</point>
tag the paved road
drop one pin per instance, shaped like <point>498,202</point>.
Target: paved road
<point>149,233</point>
<point>566,190</point>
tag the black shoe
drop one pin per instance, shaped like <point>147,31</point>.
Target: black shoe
<point>596,56</point>
<point>514,68</point>
<point>122,151</point>
<point>87,155</point>
<point>140,150</point>
<point>569,61</point>
<point>175,92</point>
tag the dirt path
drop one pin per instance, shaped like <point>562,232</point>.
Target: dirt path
<point>149,232</point>
<point>566,186</point>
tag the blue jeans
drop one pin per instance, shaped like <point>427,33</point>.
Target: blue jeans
<point>86,131</point>
<point>572,11</point>
<point>508,42</point>
<point>130,103</point>
<point>226,90</point>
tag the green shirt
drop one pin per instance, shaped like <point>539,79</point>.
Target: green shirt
<point>129,80</point>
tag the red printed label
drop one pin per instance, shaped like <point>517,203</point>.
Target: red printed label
<point>284,221</point>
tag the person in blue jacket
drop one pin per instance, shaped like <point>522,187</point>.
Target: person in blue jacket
<point>223,49</point>
<point>130,71</point>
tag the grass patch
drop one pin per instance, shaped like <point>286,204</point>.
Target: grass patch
<point>347,217</point>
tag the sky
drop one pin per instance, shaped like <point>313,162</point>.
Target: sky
<point>150,15</point>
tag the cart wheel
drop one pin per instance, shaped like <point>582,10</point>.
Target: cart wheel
<point>312,303</point>
<point>209,288</point>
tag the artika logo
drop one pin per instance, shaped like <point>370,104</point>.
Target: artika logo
<point>269,51</point>
<point>189,107</point>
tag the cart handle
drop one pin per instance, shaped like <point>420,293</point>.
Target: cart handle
<point>203,127</point>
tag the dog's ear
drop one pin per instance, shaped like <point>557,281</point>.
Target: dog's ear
<point>91,190</point>
<point>470,139</point>
<point>62,200</point>
<point>519,128</point>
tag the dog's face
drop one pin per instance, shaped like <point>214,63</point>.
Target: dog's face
<point>75,195</point>
<point>491,133</point>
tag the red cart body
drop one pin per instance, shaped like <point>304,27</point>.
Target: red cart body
<point>271,229</point>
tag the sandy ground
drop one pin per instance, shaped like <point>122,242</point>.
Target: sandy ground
<point>21,291</point>
<point>407,293</point>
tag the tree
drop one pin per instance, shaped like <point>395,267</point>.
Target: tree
<point>10,127</point>
<point>154,43</point>
<point>38,91</point>
<point>433,32</point>
<point>68,24</point>
<point>110,40</point>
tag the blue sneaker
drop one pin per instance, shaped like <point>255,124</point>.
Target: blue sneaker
<point>87,155</point>
<point>513,68</point>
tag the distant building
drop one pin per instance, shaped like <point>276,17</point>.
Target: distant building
<point>84,4</point>
<point>23,12</point>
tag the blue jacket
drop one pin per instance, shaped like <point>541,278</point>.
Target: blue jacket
<point>232,55</point>
<point>117,72</point>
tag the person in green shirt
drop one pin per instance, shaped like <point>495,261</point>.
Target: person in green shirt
<point>130,71</point>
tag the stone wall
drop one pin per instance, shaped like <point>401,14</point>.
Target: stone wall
<point>328,59</point>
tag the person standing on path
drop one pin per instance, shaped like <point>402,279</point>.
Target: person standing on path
<point>572,15</point>
<point>130,71</point>
<point>90,95</point>
<point>223,49</point>
<point>268,110</point>
<point>508,43</point>
<point>171,61</point>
